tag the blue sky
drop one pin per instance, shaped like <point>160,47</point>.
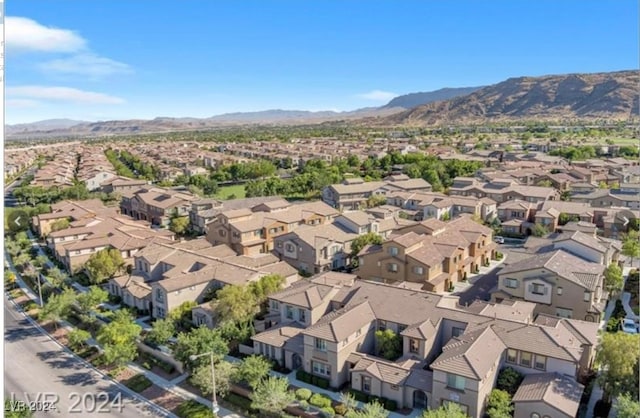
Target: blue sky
<point>105,59</point>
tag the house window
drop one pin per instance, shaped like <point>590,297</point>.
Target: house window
<point>222,232</point>
<point>358,333</point>
<point>538,289</point>
<point>393,251</point>
<point>159,296</point>
<point>278,244</point>
<point>392,267</point>
<point>587,297</point>
<point>540,363</point>
<point>321,345</point>
<point>414,346</point>
<point>512,356</point>
<point>455,382</point>
<point>525,359</point>
<point>535,415</point>
<point>289,312</point>
<point>289,248</point>
<point>564,313</point>
<point>395,387</point>
<point>366,384</point>
<point>511,283</point>
<point>559,291</point>
<point>160,312</point>
<point>456,331</point>
<point>275,305</point>
<point>418,270</point>
<point>382,325</point>
<point>302,315</point>
<point>321,369</point>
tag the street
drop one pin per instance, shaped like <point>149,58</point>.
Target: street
<point>38,370</point>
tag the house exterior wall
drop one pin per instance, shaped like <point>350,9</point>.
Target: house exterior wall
<point>571,297</point>
<point>583,251</point>
<point>468,397</point>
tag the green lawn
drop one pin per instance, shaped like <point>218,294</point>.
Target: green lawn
<point>236,191</point>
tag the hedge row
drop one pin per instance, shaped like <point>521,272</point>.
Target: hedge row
<point>388,404</point>
<point>320,382</point>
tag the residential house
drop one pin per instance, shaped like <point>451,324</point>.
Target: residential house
<point>547,395</point>
<point>156,205</point>
<point>252,231</point>
<point>450,353</point>
<point>353,193</point>
<point>558,282</point>
<point>432,253</point>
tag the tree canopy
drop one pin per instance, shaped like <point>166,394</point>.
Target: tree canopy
<point>448,410</point>
<point>224,373</point>
<point>199,341</point>
<point>272,395</point>
<point>613,279</point>
<point>104,265</point>
<point>499,404</point>
<point>253,370</point>
<point>618,355</point>
<point>118,338</point>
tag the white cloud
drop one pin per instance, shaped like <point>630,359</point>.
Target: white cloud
<point>87,64</point>
<point>23,34</point>
<point>22,103</point>
<point>378,95</point>
<point>61,94</point>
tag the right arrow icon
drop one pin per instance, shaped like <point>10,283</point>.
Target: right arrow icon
<point>626,220</point>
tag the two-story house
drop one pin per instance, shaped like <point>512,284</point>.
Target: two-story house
<point>558,282</point>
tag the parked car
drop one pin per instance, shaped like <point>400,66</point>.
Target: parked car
<point>499,239</point>
<point>628,325</point>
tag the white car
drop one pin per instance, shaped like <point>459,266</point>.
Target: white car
<point>499,239</point>
<point>629,326</point>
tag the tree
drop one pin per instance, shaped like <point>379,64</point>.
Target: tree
<point>58,306</point>
<point>40,261</point>
<point>388,344</point>
<point>499,404</point>
<point>253,369</point>
<point>362,241</point>
<point>224,372</point>
<point>90,299</point>
<point>118,339</point>
<point>539,230</point>
<point>179,224</point>
<point>197,341</point>
<point>617,356</point>
<point>509,380</point>
<point>236,304</point>
<point>181,315</point>
<point>104,265</point>
<point>78,338</point>
<point>272,395</point>
<point>59,225</point>
<point>21,260</point>
<point>264,287</point>
<point>631,245</point>
<point>376,200</point>
<point>448,410</point>
<point>369,410</point>
<point>613,279</point>
<point>628,407</point>
<point>161,331</point>
<point>348,400</point>
<point>55,276</point>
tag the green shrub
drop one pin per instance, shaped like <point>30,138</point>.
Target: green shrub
<point>138,383</point>
<point>303,394</point>
<point>328,412</point>
<point>322,383</point>
<point>390,404</point>
<point>360,396</point>
<point>509,380</point>
<point>340,409</point>
<point>320,401</point>
<point>613,324</point>
<point>303,376</point>
<point>240,401</point>
<point>193,409</point>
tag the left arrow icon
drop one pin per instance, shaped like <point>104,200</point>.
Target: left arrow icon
<point>17,221</point>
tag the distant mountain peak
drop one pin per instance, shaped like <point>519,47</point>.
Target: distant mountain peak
<point>411,100</point>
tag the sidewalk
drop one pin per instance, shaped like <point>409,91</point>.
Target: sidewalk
<point>172,386</point>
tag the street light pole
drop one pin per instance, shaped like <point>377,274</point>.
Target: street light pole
<point>40,291</point>
<point>214,403</point>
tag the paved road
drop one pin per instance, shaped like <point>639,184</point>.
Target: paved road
<point>34,364</point>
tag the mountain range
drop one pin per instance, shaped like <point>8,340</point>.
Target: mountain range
<point>612,95</point>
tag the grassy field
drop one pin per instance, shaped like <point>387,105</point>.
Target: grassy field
<point>236,191</point>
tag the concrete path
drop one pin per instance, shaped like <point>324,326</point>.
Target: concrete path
<point>626,298</point>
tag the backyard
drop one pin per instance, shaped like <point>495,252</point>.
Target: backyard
<point>231,192</point>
